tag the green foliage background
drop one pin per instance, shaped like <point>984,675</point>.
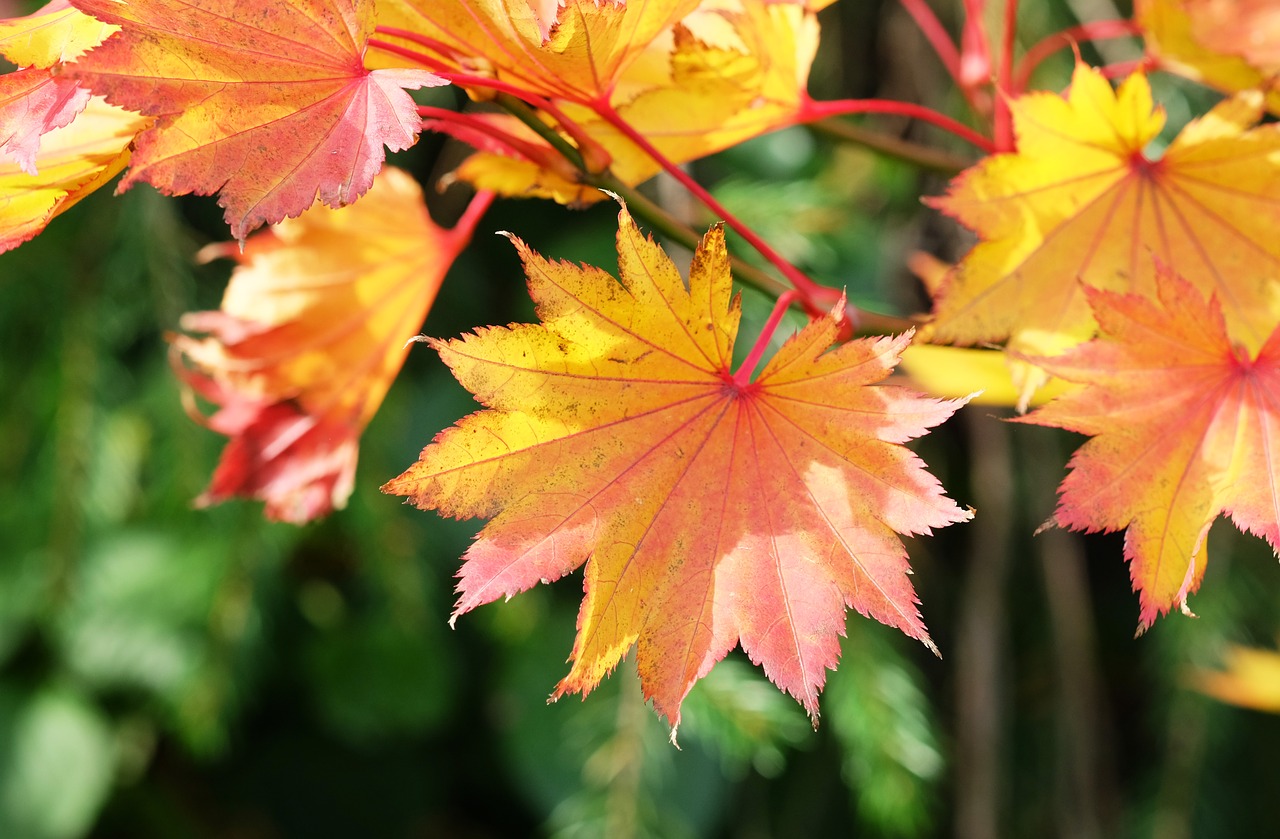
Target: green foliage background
<point>168,672</point>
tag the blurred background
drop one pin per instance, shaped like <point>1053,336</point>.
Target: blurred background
<point>168,672</point>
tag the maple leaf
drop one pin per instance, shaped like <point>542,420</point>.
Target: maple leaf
<point>73,161</point>
<point>309,337</point>
<point>1232,45</point>
<point>727,72</point>
<point>1250,679</point>
<point>987,377</point>
<point>54,34</point>
<point>709,512</point>
<point>1080,200</point>
<point>573,50</point>
<point>32,103</point>
<point>1185,424</point>
<point>34,100</point>
<point>268,104</point>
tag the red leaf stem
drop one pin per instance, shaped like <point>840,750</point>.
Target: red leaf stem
<point>812,295</point>
<point>404,52</point>
<point>1094,31</point>
<point>936,34</point>
<point>415,38</point>
<point>466,126</point>
<point>812,111</point>
<point>747,369</point>
<point>1003,124</point>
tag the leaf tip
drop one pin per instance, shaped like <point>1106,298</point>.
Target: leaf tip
<point>1048,524</point>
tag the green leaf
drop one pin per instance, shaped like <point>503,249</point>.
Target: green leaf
<point>56,764</point>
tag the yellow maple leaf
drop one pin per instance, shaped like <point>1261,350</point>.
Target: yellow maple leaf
<point>1232,45</point>
<point>708,511</point>
<point>311,332</point>
<point>57,32</point>
<point>991,376</point>
<point>1250,678</point>
<point>1080,201</point>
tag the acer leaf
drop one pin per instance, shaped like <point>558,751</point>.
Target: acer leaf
<point>572,50</point>
<point>56,33</point>
<point>1081,200</point>
<point>987,377</point>
<point>310,335</point>
<point>34,100</point>
<point>33,103</point>
<point>73,161</point>
<point>267,104</point>
<point>1232,45</point>
<point>1250,679</point>
<point>729,71</point>
<point>1185,424</point>
<point>708,512</point>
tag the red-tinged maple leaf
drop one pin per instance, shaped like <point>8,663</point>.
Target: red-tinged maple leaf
<point>32,103</point>
<point>266,103</point>
<point>708,511</point>
<point>73,161</point>
<point>1081,200</point>
<point>34,100</point>
<point>311,333</point>
<point>1185,424</point>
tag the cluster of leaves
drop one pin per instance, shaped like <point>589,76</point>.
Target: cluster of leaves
<point>712,507</point>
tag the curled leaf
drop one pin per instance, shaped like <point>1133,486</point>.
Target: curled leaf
<point>311,332</point>
<point>73,161</point>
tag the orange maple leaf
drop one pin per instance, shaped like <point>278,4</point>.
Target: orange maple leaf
<point>572,50</point>
<point>1186,425</point>
<point>311,333</point>
<point>729,71</point>
<point>1081,200</point>
<point>267,104</point>
<point>709,511</point>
